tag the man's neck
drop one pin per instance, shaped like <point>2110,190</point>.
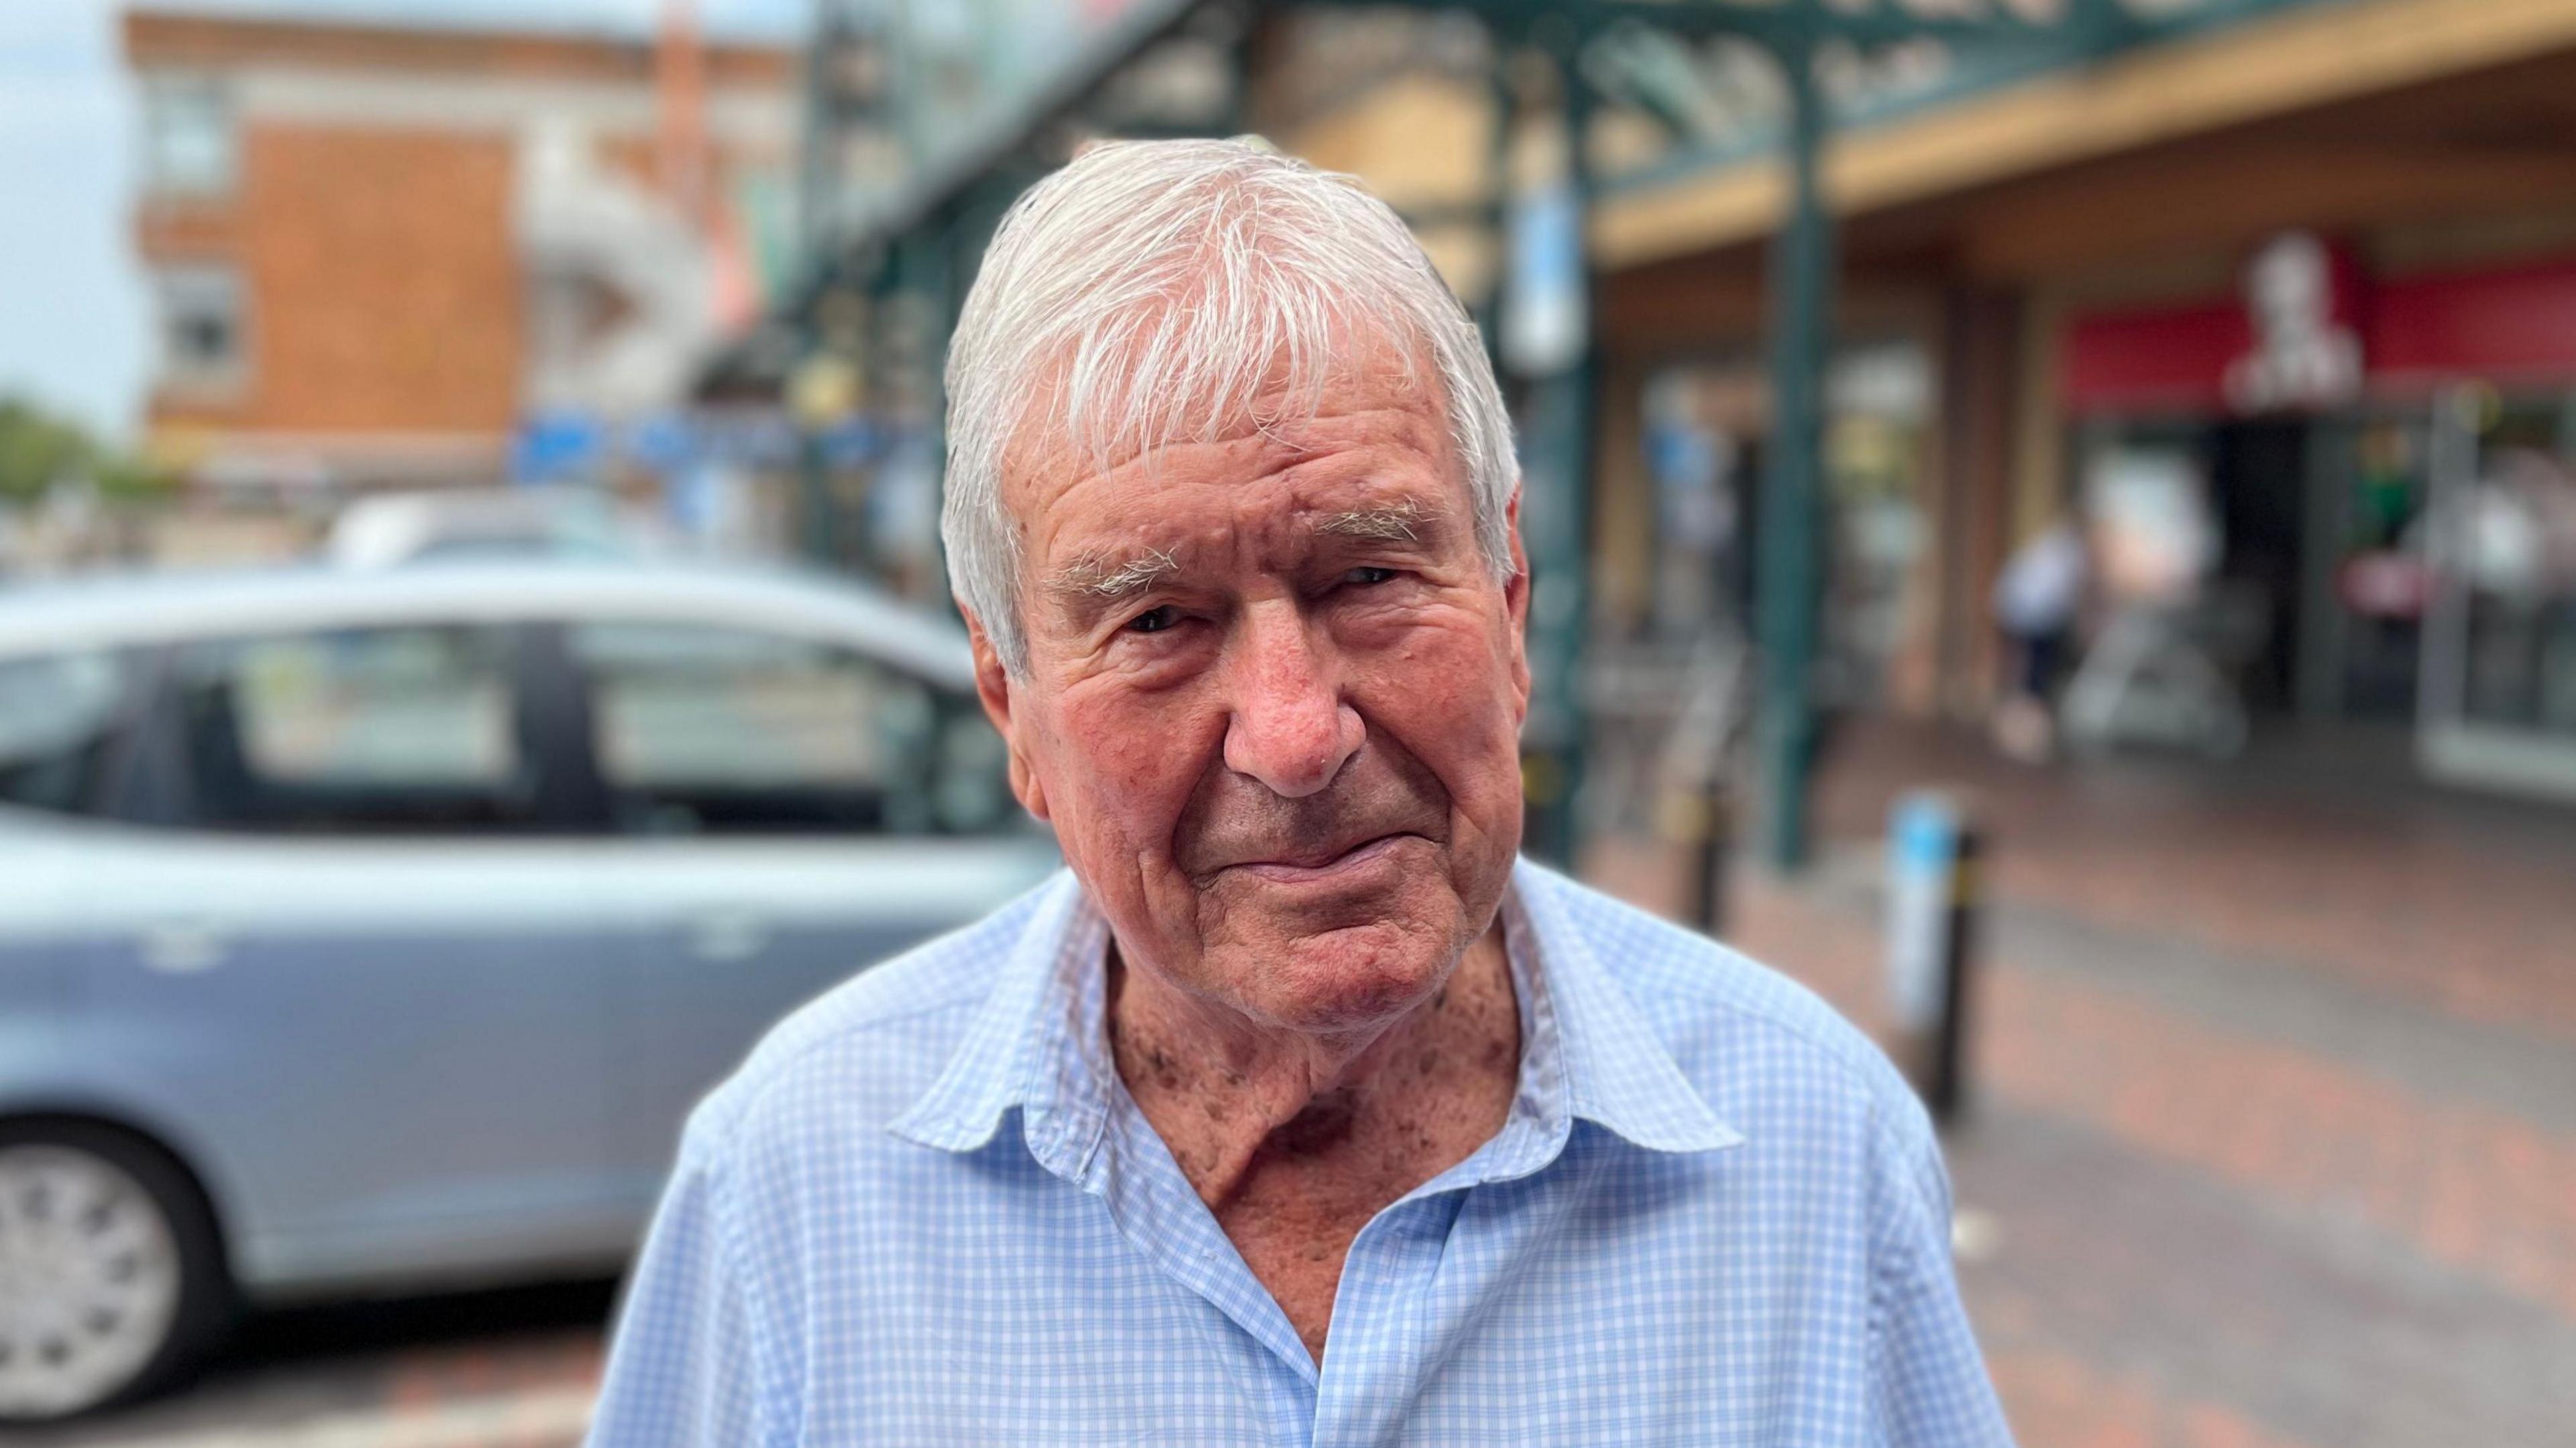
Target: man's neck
<point>1295,1142</point>
<point>1232,1097</point>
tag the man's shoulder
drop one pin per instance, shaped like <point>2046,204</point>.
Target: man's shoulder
<point>864,1051</point>
<point>1733,1024</point>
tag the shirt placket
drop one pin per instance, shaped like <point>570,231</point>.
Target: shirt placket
<point>1153,1207</point>
<point>1386,1315</point>
<point>1391,1309</point>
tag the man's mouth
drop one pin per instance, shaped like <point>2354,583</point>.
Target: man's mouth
<point>1307,866</point>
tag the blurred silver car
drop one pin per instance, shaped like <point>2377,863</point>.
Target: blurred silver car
<point>375,930</point>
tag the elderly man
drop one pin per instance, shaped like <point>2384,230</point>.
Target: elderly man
<point>1295,1111</point>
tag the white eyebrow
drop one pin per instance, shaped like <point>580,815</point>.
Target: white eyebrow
<point>1396,523</point>
<point>1091,579</point>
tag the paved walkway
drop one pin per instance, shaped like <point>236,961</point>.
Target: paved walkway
<point>2275,1133</point>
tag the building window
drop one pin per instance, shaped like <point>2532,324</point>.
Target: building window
<point>201,327</point>
<point>188,137</point>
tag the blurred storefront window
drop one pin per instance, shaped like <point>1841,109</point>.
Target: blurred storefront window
<point>2500,649</point>
<point>1877,437</point>
<point>2394,539</point>
<point>1702,428</point>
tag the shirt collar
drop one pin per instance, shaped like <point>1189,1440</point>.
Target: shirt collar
<point>1618,1073</point>
<point>1022,1048</point>
<point>1037,1044</point>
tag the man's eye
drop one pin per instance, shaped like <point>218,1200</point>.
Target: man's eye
<point>1367,577</point>
<point>1153,620</point>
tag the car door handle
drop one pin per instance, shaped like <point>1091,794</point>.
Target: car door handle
<point>726,935</point>
<point>184,947</point>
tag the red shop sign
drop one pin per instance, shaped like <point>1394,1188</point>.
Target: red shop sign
<point>2503,324</point>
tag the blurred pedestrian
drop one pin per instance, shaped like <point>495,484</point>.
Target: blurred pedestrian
<point>2037,599</point>
<point>1298,1110</point>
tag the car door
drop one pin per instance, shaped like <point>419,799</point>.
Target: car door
<point>63,714</point>
<point>354,957</point>
<point>782,812</point>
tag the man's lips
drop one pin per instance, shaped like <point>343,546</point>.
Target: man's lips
<point>1301,867</point>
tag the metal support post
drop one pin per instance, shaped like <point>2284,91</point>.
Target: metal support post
<point>1793,504</point>
<point>1557,428</point>
<point>814,500</point>
<point>1489,317</point>
<point>1552,521</point>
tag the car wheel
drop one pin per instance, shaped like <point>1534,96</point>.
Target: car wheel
<point>111,1279</point>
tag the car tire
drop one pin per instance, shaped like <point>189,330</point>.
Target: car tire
<point>110,1255</point>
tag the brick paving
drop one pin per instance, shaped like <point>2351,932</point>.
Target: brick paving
<point>2180,1300</point>
<point>2463,903</point>
<point>2478,1188</point>
<point>2275,1129</point>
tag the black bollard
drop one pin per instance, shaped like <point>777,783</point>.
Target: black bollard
<point>1701,824</point>
<point>1934,850</point>
<point>1717,830</point>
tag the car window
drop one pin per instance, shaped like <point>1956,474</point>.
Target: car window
<point>58,713</point>
<point>366,730</point>
<point>704,730</point>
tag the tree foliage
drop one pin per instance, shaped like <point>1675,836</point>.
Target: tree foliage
<point>39,450</point>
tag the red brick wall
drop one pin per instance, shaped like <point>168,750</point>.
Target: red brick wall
<point>384,289</point>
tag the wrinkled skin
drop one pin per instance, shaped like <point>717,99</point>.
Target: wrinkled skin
<point>1212,749</point>
<point>1272,708</point>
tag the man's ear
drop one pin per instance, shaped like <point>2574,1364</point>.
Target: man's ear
<point>1516,599</point>
<point>993,688</point>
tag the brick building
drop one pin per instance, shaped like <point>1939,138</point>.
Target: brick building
<point>377,251</point>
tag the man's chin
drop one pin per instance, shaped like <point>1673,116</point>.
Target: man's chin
<point>1350,978</point>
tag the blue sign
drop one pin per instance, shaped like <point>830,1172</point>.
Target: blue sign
<point>553,447</point>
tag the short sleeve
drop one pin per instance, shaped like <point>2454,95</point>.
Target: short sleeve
<point>682,1369</point>
<point>1931,1383</point>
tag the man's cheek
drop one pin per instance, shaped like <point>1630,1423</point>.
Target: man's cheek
<point>1445,701</point>
<point>1134,775</point>
<point>1134,769</point>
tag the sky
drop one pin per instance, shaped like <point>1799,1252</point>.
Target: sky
<point>75,329</point>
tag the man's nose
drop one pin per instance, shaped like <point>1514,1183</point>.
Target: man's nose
<point>1290,730</point>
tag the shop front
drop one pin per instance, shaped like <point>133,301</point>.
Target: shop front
<point>2355,485</point>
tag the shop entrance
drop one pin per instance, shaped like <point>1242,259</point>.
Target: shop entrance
<point>2258,473</point>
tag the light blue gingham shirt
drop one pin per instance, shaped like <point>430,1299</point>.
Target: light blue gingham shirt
<point>926,1211</point>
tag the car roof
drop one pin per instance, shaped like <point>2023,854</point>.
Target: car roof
<point>129,610</point>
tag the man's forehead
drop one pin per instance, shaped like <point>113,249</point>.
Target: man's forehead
<point>1273,428</point>
<point>1361,448</point>
<point>1162,529</point>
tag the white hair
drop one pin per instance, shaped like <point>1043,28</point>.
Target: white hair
<point>1147,294</point>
